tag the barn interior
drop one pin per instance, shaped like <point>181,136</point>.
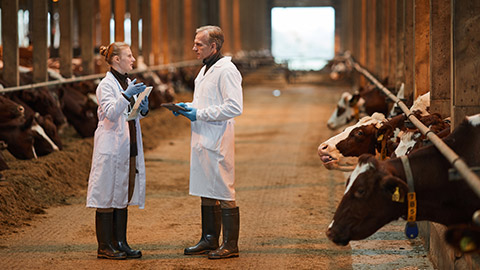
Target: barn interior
<point>297,58</point>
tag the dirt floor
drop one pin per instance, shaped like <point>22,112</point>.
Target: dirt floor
<point>286,197</point>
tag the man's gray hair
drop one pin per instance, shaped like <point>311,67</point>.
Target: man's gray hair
<point>215,34</point>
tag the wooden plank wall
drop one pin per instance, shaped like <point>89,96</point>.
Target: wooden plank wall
<point>167,32</point>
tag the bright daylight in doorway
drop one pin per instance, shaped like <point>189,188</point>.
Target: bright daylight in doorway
<point>305,37</point>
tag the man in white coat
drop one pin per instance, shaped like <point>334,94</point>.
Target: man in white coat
<point>216,101</point>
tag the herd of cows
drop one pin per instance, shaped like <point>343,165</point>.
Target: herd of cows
<point>394,172</point>
<point>32,120</point>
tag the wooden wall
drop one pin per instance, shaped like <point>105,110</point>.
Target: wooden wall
<point>431,46</point>
<point>168,30</point>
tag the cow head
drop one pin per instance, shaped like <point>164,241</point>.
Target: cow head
<point>10,109</point>
<point>367,203</point>
<point>346,111</point>
<point>19,137</point>
<point>43,101</point>
<point>353,141</point>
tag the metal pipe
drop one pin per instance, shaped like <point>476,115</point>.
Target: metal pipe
<point>96,76</point>
<point>472,179</point>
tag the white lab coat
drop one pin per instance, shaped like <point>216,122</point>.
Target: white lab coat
<point>108,181</point>
<point>218,99</point>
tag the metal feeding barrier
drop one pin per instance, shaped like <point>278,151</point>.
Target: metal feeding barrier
<point>98,76</point>
<point>472,179</point>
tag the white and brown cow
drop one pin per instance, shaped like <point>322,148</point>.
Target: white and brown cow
<point>368,203</point>
<point>350,107</point>
<point>333,158</point>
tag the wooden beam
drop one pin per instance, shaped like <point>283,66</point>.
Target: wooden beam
<point>66,37</point>
<point>10,42</point>
<point>422,47</point>
<point>400,41</point>
<point>392,45</point>
<point>379,40</point>
<point>134,17</point>
<point>409,53</point>
<point>40,35</point>
<point>119,17</point>
<point>440,57</point>
<point>226,24</point>
<point>105,15</point>
<point>188,29</point>
<point>86,36</point>
<point>147,31</point>
<point>371,28</point>
<point>465,60</point>
<point>237,43</point>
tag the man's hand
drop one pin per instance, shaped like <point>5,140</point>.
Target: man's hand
<point>190,113</point>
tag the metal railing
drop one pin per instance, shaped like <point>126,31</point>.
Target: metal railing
<point>472,179</point>
<point>98,76</point>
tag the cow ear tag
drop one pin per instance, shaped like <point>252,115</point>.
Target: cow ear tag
<point>396,196</point>
<point>411,230</point>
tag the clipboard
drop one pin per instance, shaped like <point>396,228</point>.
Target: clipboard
<point>173,107</point>
<point>136,108</point>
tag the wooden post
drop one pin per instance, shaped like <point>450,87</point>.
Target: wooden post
<point>338,28</point>
<point>392,45</point>
<point>119,17</point>
<point>147,32</point>
<point>164,56</point>
<point>86,36</point>
<point>173,49</point>
<point>440,57</point>
<point>362,57</point>
<point>226,24</point>
<point>422,46</point>
<point>371,28</point>
<point>465,60</point>
<point>40,47</point>
<point>400,41</point>
<point>66,37</point>
<point>379,40</point>
<point>10,42</point>
<point>134,16</point>
<point>237,39</point>
<point>409,54</point>
<point>188,29</point>
<point>105,15</point>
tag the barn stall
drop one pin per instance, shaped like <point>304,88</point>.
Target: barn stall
<point>430,47</point>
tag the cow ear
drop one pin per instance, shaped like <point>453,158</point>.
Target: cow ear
<point>354,99</point>
<point>394,188</point>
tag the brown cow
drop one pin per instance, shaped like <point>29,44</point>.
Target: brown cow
<point>80,110</point>
<point>19,136</point>
<point>369,203</point>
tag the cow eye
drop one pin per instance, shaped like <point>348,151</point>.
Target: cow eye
<point>360,133</point>
<point>359,193</point>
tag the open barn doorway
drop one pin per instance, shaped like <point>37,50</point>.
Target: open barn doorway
<point>303,37</point>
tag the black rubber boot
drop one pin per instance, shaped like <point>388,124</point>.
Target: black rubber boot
<point>231,228</point>
<point>104,228</point>
<point>119,239</point>
<point>211,224</point>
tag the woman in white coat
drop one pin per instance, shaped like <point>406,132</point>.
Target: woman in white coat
<point>217,100</point>
<point>117,176</point>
